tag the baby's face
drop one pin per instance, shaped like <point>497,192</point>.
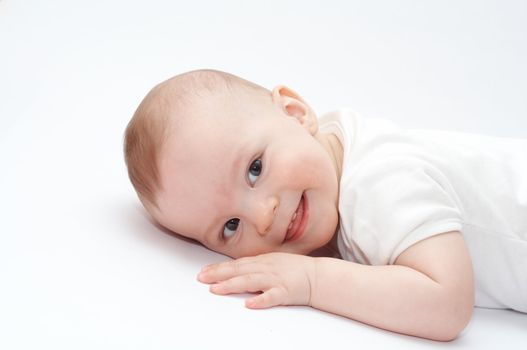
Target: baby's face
<point>251,182</point>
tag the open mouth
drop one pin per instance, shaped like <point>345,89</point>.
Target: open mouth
<point>298,221</point>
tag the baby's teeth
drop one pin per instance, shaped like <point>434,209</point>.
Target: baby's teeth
<point>292,220</point>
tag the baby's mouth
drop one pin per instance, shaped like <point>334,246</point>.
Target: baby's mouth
<point>297,224</point>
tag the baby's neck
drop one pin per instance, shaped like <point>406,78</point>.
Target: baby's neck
<point>334,149</point>
<point>329,250</point>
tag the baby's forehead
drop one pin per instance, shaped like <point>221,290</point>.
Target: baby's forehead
<point>210,120</point>
<point>198,142</point>
<point>213,126</point>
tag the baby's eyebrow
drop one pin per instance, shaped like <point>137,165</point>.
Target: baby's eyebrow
<point>210,236</point>
<point>207,239</point>
<point>239,157</point>
<point>235,166</point>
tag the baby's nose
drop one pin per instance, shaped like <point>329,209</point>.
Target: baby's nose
<point>266,213</point>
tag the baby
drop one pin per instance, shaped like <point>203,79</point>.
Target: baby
<point>405,230</point>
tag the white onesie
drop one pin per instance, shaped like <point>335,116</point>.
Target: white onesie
<point>401,186</point>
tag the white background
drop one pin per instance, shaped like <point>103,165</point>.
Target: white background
<point>81,265</point>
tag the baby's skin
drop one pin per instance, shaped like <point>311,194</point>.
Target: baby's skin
<point>248,174</point>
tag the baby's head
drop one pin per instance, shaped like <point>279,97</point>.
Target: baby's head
<point>239,168</point>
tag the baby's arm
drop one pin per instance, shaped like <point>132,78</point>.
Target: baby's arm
<point>428,293</point>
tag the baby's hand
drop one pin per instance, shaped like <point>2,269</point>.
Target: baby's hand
<point>283,279</point>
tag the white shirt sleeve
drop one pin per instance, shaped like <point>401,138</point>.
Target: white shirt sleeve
<point>397,202</point>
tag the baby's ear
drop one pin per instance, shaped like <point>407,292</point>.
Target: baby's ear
<point>294,106</point>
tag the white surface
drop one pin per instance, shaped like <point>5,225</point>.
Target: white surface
<point>80,264</point>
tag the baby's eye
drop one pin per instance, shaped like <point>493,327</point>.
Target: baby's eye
<point>254,170</point>
<point>230,227</point>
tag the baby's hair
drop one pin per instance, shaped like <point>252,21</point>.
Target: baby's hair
<point>151,123</point>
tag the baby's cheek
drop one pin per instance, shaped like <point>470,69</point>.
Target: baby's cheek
<point>293,167</point>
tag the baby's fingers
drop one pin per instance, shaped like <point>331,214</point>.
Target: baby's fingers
<point>224,271</point>
<point>251,283</point>
<point>272,297</point>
